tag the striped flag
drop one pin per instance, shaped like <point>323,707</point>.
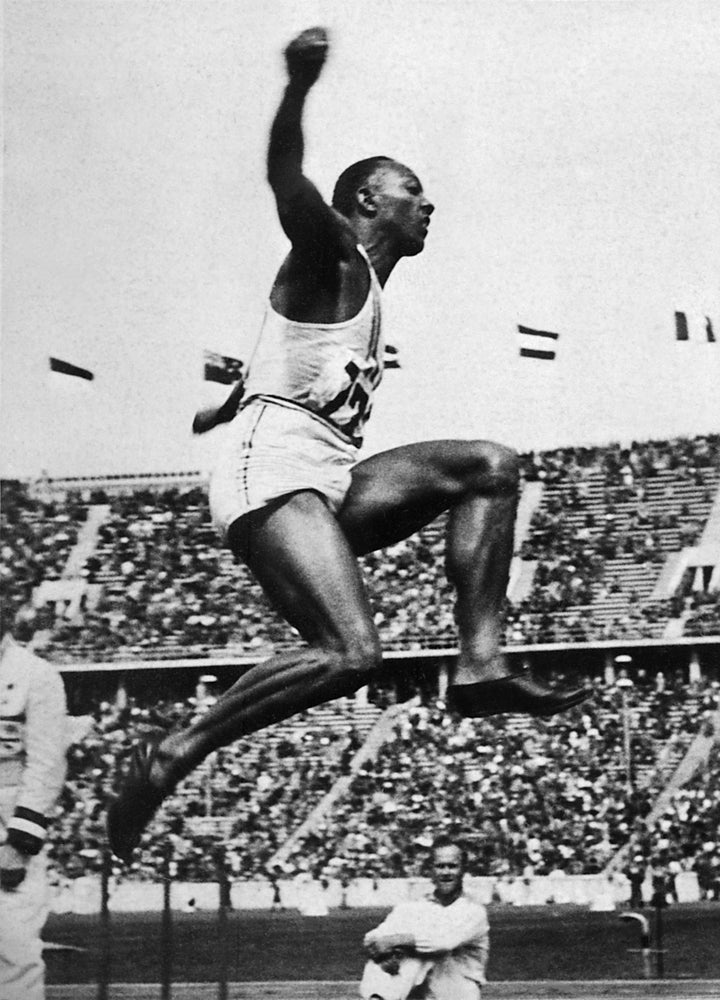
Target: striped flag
<point>65,368</point>
<point>681,327</point>
<point>539,344</point>
<point>221,368</point>
<point>391,358</point>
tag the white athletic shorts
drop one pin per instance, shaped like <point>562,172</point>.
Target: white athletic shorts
<point>274,448</point>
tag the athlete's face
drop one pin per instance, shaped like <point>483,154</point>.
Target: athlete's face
<point>447,872</point>
<point>402,207</point>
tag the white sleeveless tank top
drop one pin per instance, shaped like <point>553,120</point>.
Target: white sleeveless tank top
<point>331,369</point>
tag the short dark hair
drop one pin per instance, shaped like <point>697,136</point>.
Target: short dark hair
<point>443,840</point>
<point>352,179</point>
<point>23,627</point>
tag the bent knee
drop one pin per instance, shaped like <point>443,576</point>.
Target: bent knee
<point>498,467</point>
<point>508,468</point>
<point>360,656</point>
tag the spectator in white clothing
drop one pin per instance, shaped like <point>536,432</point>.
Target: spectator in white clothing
<point>33,741</point>
<point>435,948</point>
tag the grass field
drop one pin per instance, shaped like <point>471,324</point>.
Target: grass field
<point>531,943</point>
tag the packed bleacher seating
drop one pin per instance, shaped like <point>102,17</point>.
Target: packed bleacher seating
<point>539,796</point>
<point>686,836</point>
<point>248,797</point>
<point>37,537</point>
<point>536,796</point>
<point>607,521</point>
<point>155,583</point>
<point>704,615</point>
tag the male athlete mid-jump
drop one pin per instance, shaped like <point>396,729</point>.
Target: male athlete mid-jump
<point>291,498</point>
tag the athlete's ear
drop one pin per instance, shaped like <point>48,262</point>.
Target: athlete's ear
<point>366,202</point>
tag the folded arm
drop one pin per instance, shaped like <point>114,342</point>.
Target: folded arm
<point>378,943</point>
<point>451,931</point>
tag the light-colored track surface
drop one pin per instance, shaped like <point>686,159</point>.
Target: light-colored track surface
<point>693,989</point>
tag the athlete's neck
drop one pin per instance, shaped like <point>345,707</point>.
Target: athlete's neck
<point>382,256</point>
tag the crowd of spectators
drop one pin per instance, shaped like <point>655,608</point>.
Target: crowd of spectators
<point>704,614</point>
<point>37,536</point>
<point>167,587</point>
<point>537,797</point>
<point>624,469</point>
<point>166,584</point>
<point>248,797</point>
<point>540,797</point>
<point>687,835</point>
<point>609,519</point>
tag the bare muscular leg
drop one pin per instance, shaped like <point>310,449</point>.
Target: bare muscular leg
<point>396,492</point>
<point>303,561</point>
<point>303,558</point>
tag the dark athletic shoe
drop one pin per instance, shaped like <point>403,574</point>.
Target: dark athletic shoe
<point>137,803</point>
<point>515,693</point>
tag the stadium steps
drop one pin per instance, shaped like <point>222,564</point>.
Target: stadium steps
<point>695,755</point>
<point>522,576</point>
<point>318,738</point>
<point>633,578</point>
<point>685,497</point>
<point>711,531</point>
<point>694,758</point>
<point>86,541</point>
<point>669,577</point>
<point>382,731</point>
<point>522,571</point>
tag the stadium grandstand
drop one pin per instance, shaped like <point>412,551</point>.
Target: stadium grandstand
<point>616,579</point>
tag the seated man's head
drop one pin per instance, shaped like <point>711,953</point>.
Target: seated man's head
<point>449,861</point>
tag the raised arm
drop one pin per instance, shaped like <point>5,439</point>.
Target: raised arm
<point>310,224</point>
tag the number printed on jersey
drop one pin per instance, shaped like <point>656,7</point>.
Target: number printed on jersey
<point>350,407</point>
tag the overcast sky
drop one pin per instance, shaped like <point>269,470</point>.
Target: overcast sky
<point>572,151</point>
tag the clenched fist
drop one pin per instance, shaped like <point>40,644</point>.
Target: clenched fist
<point>305,56</point>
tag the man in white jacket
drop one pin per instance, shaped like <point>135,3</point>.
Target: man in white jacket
<point>33,742</point>
<point>435,948</point>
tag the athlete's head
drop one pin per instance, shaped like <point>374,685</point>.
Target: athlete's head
<point>386,194</point>
<point>354,177</point>
<point>448,867</point>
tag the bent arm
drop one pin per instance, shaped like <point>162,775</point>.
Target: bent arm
<point>394,932</point>
<point>211,416</point>
<point>377,943</point>
<point>451,931</point>
<point>310,224</point>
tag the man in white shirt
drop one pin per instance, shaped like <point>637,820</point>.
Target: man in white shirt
<point>434,948</point>
<point>33,742</point>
